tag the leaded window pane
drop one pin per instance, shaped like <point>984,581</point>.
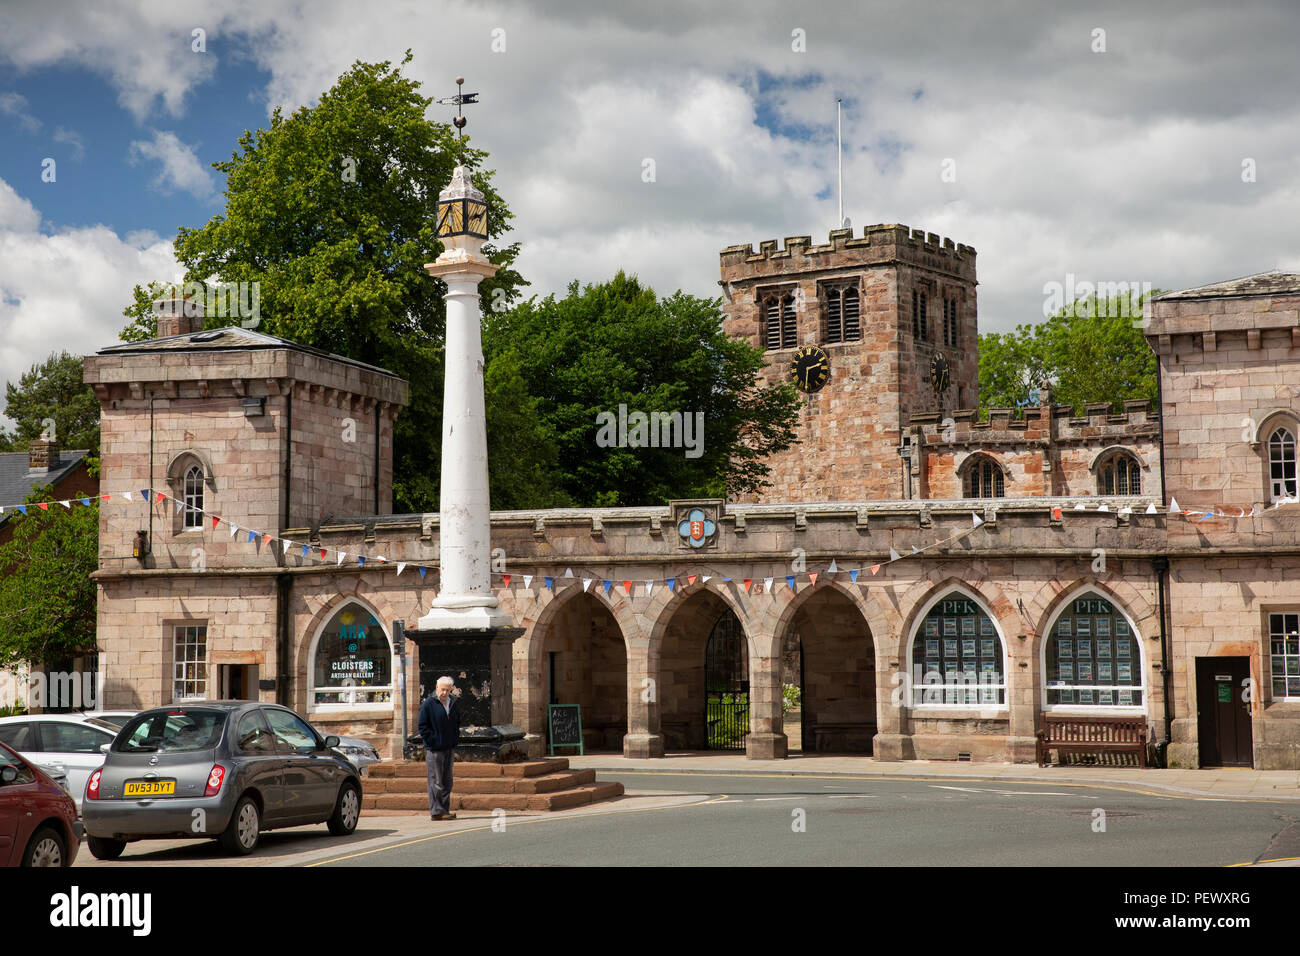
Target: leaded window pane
<point>1092,657</point>
<point>957,656</point>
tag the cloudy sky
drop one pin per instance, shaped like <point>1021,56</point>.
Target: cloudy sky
<point>1153,142</point>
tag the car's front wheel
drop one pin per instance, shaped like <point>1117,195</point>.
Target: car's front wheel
<point>241,834</point>
<point>347,810</point>
<point>103,848</point>
<point>46,848</point>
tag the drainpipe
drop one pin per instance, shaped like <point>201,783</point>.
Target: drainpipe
<point>149,503</point>
<point>1160,564</point>
<point>288,457</point>
<point>283,589</point>
<point>378,422</point>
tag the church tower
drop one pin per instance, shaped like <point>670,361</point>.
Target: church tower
<point>871,331</point>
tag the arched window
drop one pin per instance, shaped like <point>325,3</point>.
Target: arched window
<point>983,478</point>
<point>780,328</point>
<point>1281,464</point>
<point>1092,657</point>
<point>193,498</point>
<point>1119,474</point>
<point>351,662</point>
<point>957,656</point>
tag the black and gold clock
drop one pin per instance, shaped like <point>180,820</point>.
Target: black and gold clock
<point>939,374</point>
<point>811,369</point>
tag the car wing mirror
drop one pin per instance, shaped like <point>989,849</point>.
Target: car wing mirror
<point>331,742</point>
<point>103,748</point>
<point>8,775</point>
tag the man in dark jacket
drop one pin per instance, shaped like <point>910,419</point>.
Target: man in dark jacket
<point>440,727</point>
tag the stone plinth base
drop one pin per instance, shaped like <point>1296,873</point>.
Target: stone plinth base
<point>893,747</point>
<point>765,746</point>
<point>643,745</point>
<point>398,788</point>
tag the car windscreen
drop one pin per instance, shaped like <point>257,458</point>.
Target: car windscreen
<point>171,731</point>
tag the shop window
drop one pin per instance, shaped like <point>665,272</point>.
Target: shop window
<point>1284,644</point>
<point>1093,657</point>
<point>351,665</point>
<point>983,478</point>
<point>1281,465</point>
<point>957,656</point>
<point>189,662</point>
<point>1120,474</point>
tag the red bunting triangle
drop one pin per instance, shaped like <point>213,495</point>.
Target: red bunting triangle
<point>1056,514</point>
<point>215,519</point>
<point>160,499</point>
<point>875,568</point>
<point>506,579</point>
<point>812,576</point>
<point>627,588</point>
<point>105,497</point>
<point>44,506</point>
<point>690,579</point>
<point>266,539</point>
<point>322,554</point>
<point>748,582</point>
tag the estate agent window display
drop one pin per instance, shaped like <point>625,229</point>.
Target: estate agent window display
<point>352,664</point>
<point>958,659</point>
<point>1093,659</point>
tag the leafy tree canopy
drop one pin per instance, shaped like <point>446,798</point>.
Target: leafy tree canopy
<point>618,344</point>
<point>47,597</point>
<point>1089,351</point>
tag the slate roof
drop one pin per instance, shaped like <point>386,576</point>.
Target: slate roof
<point>227,339</point>
<point>17,479</point>
<point>1263,283</point>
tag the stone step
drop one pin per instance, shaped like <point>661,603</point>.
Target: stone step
<point>470,768</point>
<point>527,798</point>
<point>546,784</point>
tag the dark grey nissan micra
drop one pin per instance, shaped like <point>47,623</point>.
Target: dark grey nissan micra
<point>217,769</point>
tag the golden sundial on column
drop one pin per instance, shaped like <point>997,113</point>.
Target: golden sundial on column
<point>810,369</point>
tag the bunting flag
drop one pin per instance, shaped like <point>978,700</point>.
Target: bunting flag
<point>528,581</point>
<point>506,578</point>
<point>705,580</point>
<point>215,519</point>
<point>144,496</point>
<point>627,588</point>
<point>672,585</point>
<point>832,569</point>
<point>360,560</point>
<point>853,575</point>
<point>586,583</point>
<point>286,544</point>
<point>812,576</point>
<point>234,529</point>
<point>267,539</point>
<point>568,573</point>
<point>875,569</point>
<point>126,495</point>
<point>160,499</point>
<point>748,582</point>
<point>252,536</point>
<point>423,569</point>
<point>86,502</point>
<point>342,555</point>
<point>894,555</point>
<point>976,520</point>
<point>649,586</point>
<point>1056,513</point>
<point>550,583</point>
<point>789,581</point>
<point>23,509</point>
<point>101,498</point>
<point>1173,507</point>
<point>690,579</point>
<point>304,550</point>
<point>66,504</point>
<point>767,585</point>
<point>401,566</point>
<point>607,585</point>
<point>44,506</point>
<point>322,554</point>
<point>1151,509</point>
<point>180,505</point>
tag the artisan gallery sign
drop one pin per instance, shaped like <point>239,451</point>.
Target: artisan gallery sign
<point>353,660</point>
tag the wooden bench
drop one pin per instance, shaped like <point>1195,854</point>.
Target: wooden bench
<point>820,730</point>
<point>1092,735</point>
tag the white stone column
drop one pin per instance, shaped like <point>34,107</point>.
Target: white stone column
<point>465,598</point>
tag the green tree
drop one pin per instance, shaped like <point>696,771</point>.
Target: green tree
<point>1089,351</point>
<point>47,597</point>
<point>618,343</point>
<point>331,211</point>
<point>53,390</point>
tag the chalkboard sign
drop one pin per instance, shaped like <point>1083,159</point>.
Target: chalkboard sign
<point>566,727</point>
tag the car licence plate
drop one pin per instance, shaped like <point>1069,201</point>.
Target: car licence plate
<point>149,788</point>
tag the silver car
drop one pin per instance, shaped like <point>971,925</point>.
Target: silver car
<point>217,769</point>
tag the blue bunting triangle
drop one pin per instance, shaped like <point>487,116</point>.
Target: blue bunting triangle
<point>422,570</point>
<point>789,580</point>
<point>672,585</point>
<point>550,584</point>
<point>853,576</point>
<point>608,585</point>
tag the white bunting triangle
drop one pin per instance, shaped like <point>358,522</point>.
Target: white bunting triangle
<point>1102,508</point>
<point>1080,507</point>
<point>767,585</point>
<point>1173,507</point>
<point>1151,509</point>
<point>66,505</point>
<point>832,569</point>
<point>286,543</point>
<point>528,580</point>
<point>586,583</point>
<point>1126,510</point>
<point>126,495</point>
<point>569,573</point>
<point>179,505</point>
<point>649,587</point>
<point>706,577</point>
<point>976,520</point>
<point>401,566</point>
<point>342,555</point>
<point>234,529</point>
<point>894,555</point>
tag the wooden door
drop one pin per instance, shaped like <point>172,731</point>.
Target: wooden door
<point>1223,712</point>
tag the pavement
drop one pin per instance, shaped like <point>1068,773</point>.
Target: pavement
<point>1223,783</point>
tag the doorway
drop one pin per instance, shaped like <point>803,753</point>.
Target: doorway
<point>237,681</point>
<point>726,684</point>
<point>1223,712</point>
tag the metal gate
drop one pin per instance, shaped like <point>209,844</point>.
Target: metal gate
<point>726,685</point>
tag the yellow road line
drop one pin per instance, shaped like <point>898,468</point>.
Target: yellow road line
<point>517,823</point>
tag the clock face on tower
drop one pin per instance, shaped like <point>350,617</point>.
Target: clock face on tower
<point>811,369</point>
<point>939,373</point>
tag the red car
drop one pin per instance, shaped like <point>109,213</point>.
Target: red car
<point>38,820</point>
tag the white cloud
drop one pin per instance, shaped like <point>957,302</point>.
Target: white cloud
<point>180,165</point>
<point>72,139</point>
<point>15,105</point>
<point>65,290</point>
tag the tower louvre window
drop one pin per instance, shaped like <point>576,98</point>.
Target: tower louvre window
<point>924,319</point>
<point>916,312</point>
<point>950,322</point>
<point>843,311</point>
<point>780,327</point>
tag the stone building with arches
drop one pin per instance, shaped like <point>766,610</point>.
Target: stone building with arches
<point>924,583</point>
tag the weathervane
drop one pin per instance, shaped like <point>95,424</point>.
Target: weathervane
<point>459,100</point>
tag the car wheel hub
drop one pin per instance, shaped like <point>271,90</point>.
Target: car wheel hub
<point>248,825</point>
<point>351,809</point>
<point>47,854</point>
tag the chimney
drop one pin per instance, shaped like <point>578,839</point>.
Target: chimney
<point>178,316</point>
<point>42,455</point>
